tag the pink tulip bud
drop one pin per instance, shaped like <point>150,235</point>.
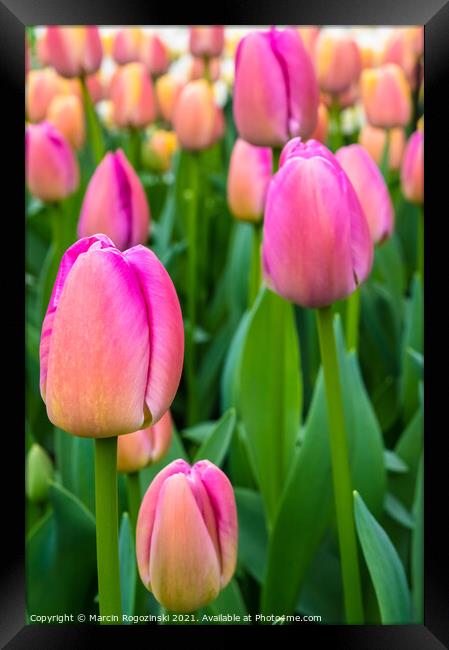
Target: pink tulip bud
<point>276,93</point>
<point>186,535</point>
<point>154,55</point>
<point>386,96</point>
<point>126,45</point>
<point>42,50</point>
<point>250,171</point>
<point>74,51</point>
<point>400,48</point>
<point>168,89</point>
<point>112,341</point>
<point>115,203</point>
<point>42,86</point>
<point>371,190</point>
<point>141,448</point>
<point>51,168</point>
<point>337,60</point>
<point>412,172</point>
<point>373,140</point>
<point>195,116</point>
<point>133,96</point>
<point>317,246</point>
<point>66,114</point>
<point>206,41</point>
<point>322,126</point>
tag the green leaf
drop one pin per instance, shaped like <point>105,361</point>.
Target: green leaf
<point>418,547</point>
<point>413,338</point>
<point>270,392</point>
<point>253,536</point>
<point>417,361</point>
<point>394,463</point>
<point>199,432</point>
<point>128,575</point>
<point>409,448</point>
<point>395,509</point>
<point>76,462</point>
<point>384,565</point>
<point>216,445</point>
<point>307,502</point>
<point>61,557</point>
<point>229,602</point>
<point>230,376</point>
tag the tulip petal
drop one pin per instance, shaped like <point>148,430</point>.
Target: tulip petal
<point>184,567</point>
<point>140,221</point>
<point>134,451</point>
<point>221,495</point>
<point>68,260</point>
<point>99,350</point>
<point>147,511</point>
<point>166,329</point>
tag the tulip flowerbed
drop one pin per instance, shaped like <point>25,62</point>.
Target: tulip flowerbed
<point>224,336</point>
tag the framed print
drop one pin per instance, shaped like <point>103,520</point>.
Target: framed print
<point>229,275</point>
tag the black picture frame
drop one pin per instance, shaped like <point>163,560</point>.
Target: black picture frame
<point>14,16</point>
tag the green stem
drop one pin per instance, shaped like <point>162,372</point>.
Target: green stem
<point>192,264</point>
<point>93,126</point>
<point>133,148</point>
<point>385,162</point>
<point>276,155</point>
<point>420,256</point>
<point>134,497</point>
<point>340,470</point>
<point>352,320</point>
<point>337,139</point>
<point>106,509</point>
<point>255,268</point>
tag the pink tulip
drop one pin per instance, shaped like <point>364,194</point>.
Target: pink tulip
<point>317,245</point>
<point>51,168</point>
<point>276,93</point>
<point>42,86</point>
<point>126,45</point>
<point>412,172</point>
<point>386,96</point>
<point>115,203</point>
<point>186,535</point>
<point>168,89</point>
<point>250,171</point>
<point>195,116</point>
<point>112,340</point>
<point>42,50</point>
<point>200,68</point>
<point>373,140</point>
<point>67,115</point>
<point>154,55</point>
<point>338,61</point>
<point>371,190</point>
<point>206,41</point>
<point>132,95</point>
<point>309,37</point>
<point>74,51</point>
<point>97,87</point>
<point>141,448</point>
<point>400,48</point>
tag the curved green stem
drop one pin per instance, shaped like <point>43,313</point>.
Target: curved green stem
<point>337,138</point>
<point>93,126</point>
<point>106,510</point>
<point>192,264</point>
<point>255,276</point>
<point>352,320</point>
<point>133,147</point>
<point>420,256</point>
<point>340,470</point>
